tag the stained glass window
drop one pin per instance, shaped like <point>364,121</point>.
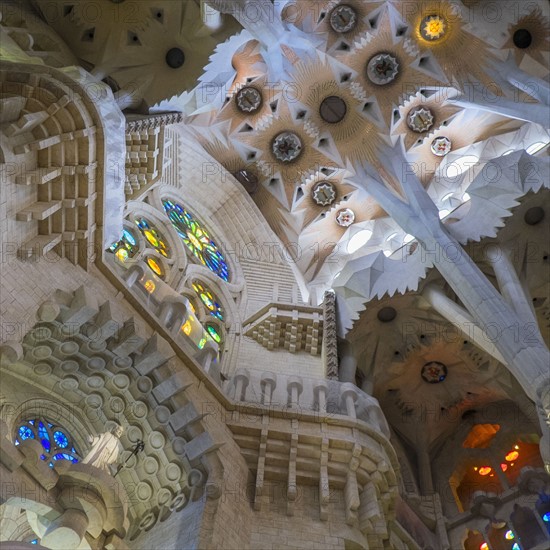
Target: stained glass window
<point>56,442</point>
<point>197,239</point>
<point>155,266</point>
<point>153,236</point>
<point>126,248</point>
<point>210,301</point>
<point>214,333</point>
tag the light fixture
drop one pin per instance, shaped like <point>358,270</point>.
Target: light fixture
<point>441,146</point>
<point>358,240</point>
<point>345,217</point>
<point>432,27</point>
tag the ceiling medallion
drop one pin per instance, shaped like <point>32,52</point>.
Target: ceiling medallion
<point>522,39</point>
<point>420,119</point>
<point>382,69</point>
<point>434,372</point>
<point>175,58</point>
<point>287,146</point>
<point>249,99</point>
<point>343,18</point>
<point>333,109</point>
<point>345,217</point>
<point>324,193</point>
<point>432,27</point>
<point>441,146</point>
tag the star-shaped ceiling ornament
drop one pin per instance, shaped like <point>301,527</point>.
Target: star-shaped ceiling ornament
<point>285,151</point>
<point>248,103</point>
<point>463,56</point>
<point>332,108</point>
<point>530,36</point>
<point>423,113</point>
<point>387,67</point>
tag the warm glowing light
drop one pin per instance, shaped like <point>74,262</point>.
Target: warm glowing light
<point>186,328</point>
<point>475,468</point>
<point>150,286</point>
<point>432,27</point>
<point>484,546</point>
<point>504,467</point>
<point>122,254</point>
<point>154,265</point>
<point>509,535</point>
<point>511,456</point>
<point>485,470</point>
<point>516,447</point>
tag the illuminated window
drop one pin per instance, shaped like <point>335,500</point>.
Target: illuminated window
<point>153,236</point>
<point>214,333</point>
<point>126,248</point>
<point>209,300</point>
<point>155,266</point>
<point>55,440</point>
<point>196,239</point>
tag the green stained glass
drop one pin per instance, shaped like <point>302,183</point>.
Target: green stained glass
<point>153,236</point>
<point>210,301</point>
<point>213,331</point>
<point>197,239</point>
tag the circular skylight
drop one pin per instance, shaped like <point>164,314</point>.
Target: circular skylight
<point>324,193</point>
<point>345,217</point>
<point>420,119</point>
<point>441,146</point>
<point>333,109</point>
<point>249,99</point>
<point>343,18</point>
<point>382,69</point>
<point>287,146</point>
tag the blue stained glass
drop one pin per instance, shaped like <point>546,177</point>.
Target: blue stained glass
<point>546,517</point>
<point>65,456</point>
<point>31,422</point>
<point>516,546</point>
<point>61,440</point>
<point>196,239</point>
<point>46,445</point>
<point>127,236</point>
<point>35,541</point>
<point>16,442</point>
<point>25,433</point>
<point>43,457</point>
<point>50,425</point>
<point>42,432</point>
